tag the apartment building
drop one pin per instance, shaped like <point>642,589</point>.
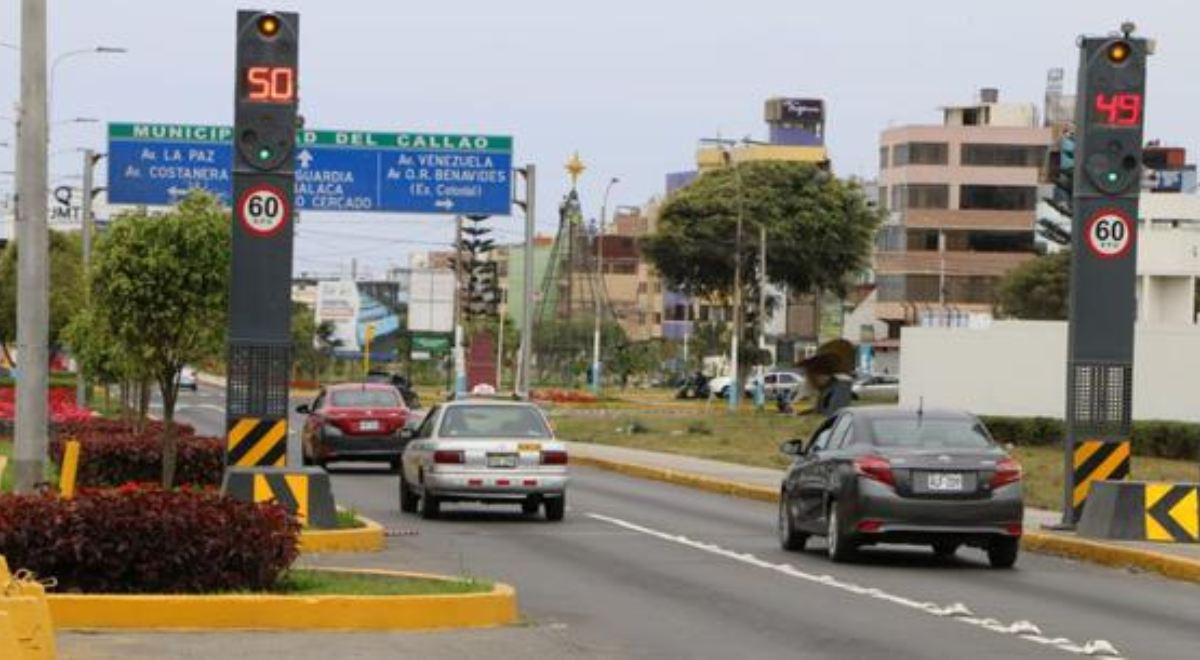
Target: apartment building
<point>961,200</point>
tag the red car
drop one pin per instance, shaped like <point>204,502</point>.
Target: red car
<point>354,422</point>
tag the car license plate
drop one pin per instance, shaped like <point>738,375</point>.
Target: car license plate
<point>529,446</point>
<point>368,425</point>
<point>945,481</point>
<point>502,460</point>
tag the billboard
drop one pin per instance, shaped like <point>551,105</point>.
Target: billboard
<point>431,300</point>
<point>353,306</point>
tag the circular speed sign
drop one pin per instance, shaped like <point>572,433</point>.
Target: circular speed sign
<point>1109,234</point>
<point>263,210</point>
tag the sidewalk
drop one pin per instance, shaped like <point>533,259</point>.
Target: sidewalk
<point>1180,560</point>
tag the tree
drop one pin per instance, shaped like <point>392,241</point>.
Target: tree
<point>66,287</point>
<point>160,287</point>
<point>305,354</point>
<point>819,230</point>
<point>1038,289</point>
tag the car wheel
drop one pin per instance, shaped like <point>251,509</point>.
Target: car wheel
<point>431,507</point>
<point>529,507</point>
<point>556,508</point>
<point>1002,553</point>
<point>945,549</point>
<point>789,538</point>
<point>408,499</point>
<point>840,546</point>
<point>724,393</point>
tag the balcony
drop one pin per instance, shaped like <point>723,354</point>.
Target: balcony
<point>972,219</point>
<point>952,262</point>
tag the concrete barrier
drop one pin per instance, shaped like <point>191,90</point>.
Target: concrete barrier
<point>304,492</point>
<point>24,617</point>
<point>1142,511</point>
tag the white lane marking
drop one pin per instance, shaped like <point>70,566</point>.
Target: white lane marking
<point>1025,630</point>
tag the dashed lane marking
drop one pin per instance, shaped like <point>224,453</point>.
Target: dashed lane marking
<point>1025,630</point>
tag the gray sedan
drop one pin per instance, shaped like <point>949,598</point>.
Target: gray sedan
<point>890,475</point>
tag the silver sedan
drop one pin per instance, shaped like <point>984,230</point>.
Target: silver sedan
<point>489,451</point>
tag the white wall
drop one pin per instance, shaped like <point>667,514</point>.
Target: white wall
<point>1019,368</point>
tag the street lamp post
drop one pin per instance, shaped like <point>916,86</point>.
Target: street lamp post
<point>110,50</point>
<point>596,364</point>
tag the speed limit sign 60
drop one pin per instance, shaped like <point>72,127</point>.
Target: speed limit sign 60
<point>1109,233</point>
<point>263,210</point>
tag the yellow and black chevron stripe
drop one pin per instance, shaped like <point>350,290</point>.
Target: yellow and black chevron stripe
<point>1097,460</point>
<point>253,442</point>
<point>1172,513</point>
<point>289,490</point>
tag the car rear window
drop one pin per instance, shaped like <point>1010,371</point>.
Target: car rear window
<point>372,398</point>
<point>918,433</point>
<point>493,421</point>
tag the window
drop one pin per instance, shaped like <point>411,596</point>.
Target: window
<point>821,439</point>
<point>932,434</point>
<point>883,158</point>
<point>1003,155</point>
<point>921,196</point>
<point>883,198</point>
<point>490,421</point>
<point>841,431</point>
<point>921,153</point>
<point>998,198</point>
<point>426,428</point>
<point>366,398</point>
<point>657,318</point>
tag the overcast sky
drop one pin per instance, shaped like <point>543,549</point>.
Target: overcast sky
<point>631,84</point>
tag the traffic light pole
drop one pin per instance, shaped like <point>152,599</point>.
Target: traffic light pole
<point>1103,305</point>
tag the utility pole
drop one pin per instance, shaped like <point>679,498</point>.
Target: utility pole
<point>460,373</point>
<point>597,366</point>
<point>500,347</point>
<point>33,313</point>
<point>85,232</point>
<point>735,388</point>
<point>527,292</point>
<point>759,387</point>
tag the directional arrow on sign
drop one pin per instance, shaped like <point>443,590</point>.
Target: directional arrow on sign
<point>1171,513</point>
<point>305,158</point>
<point>177,192</point>
<point>444,204</point>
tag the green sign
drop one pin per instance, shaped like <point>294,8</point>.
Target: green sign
<point>318,137</point>
<point>431,344</point>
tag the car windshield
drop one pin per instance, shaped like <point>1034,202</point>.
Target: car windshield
<point>916,433</point>
<point>366,398</point>
<point>493,421</point>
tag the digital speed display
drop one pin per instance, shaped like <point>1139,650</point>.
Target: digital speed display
<point>270,84</point>
<point>1118,109</point>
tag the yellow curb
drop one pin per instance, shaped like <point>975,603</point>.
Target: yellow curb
<point>1104,554</point>
<point>1179,568</point>
<point>689,479</point>
<point>270,612</point>
<point>368,538</point>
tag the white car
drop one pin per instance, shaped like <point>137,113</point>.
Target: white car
<point>876,386</point>
<point>187,379</point>
<point>484,450</point>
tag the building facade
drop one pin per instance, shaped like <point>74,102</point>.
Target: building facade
<point>960,201</point>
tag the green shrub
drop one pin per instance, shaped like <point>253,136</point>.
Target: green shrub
<point>1154,438</point>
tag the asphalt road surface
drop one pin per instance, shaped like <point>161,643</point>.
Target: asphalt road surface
<point>641,569</point>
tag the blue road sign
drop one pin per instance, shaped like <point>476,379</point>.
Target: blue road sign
<point>156,164</point>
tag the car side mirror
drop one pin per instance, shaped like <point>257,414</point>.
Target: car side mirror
<point>303,409</point>
<point>407,434</point>
<point>793,447</point>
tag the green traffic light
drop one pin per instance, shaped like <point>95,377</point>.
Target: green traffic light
<point>264,153</point>
<point>1112,177</point>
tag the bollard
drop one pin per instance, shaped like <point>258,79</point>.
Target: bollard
<point>70,468</point>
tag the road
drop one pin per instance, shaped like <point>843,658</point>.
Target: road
<point>642,569</point>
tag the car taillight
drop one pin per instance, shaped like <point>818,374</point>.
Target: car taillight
<point>554,457</point>
<point>875,467</point>
<point>446,457</point>
<point>1007,471</point>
